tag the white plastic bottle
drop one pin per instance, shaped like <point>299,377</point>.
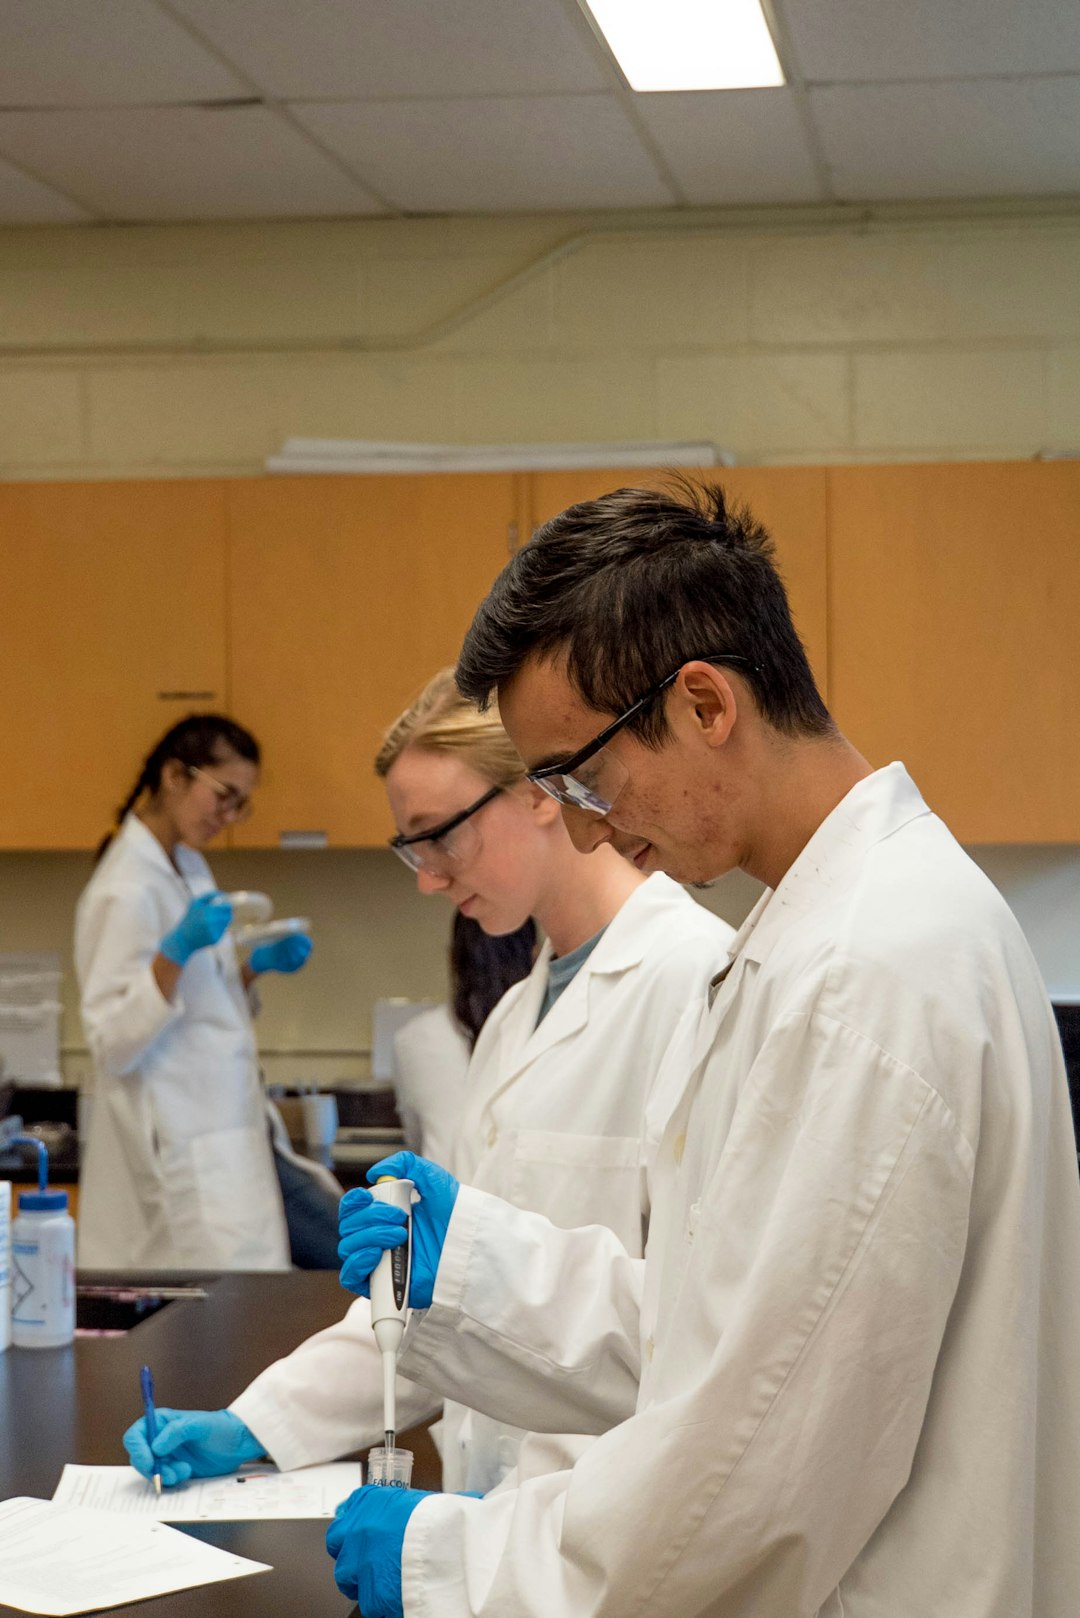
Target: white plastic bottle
<point>43,1267</point>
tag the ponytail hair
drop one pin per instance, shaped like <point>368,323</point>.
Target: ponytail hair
<point>194,742</point>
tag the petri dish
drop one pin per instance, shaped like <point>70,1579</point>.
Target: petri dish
<point>266,932</point>
<point>249,909</point>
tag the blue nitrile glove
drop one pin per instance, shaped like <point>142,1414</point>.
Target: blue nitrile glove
<point>286,954</point>
<point>192,1444</point>
<point>203,923</point>
<point>365,1538</point>
<point>368,1228</point>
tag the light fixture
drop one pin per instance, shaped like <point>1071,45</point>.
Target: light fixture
<point>689,44</point>
<point>337,455</point>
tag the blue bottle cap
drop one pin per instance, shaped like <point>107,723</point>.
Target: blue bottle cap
<point>43,1201</point>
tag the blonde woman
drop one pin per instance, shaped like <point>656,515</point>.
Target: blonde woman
<point>555,1091</point>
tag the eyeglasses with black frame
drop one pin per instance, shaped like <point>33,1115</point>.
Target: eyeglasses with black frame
<point>452,841</point>
<point>596,790</point>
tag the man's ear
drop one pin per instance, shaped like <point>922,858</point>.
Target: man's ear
<point>706,700</point>
<point>542,806</point>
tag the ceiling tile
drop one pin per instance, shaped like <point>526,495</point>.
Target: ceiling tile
<point>326,49</point>
<point>82,53</point>
<point>733,146</point>
<point>152,163</point>
<point>997,138</point>
<point>25,201</point>
<point>493,154</point>
<point>932,39</point>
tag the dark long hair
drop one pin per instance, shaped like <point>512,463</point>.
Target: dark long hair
<point>482,968</point>
<point>194,741</point>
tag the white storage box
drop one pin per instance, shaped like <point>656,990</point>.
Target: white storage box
<point>30,1018</point>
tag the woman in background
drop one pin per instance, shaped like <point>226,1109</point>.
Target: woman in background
<point>431,1052</point>
<point>179,1171</point>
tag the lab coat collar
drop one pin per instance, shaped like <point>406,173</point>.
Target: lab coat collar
<point>873,810</point>
<point>138,837</point>
<point>622,947</point>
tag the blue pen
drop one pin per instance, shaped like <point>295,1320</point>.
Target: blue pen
<point>146,1382</point>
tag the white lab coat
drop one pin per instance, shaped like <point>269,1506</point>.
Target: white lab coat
<point>844,1381</point>
<point>431,1059</point>
<point>553,1120</point>
<point>178,1170</point>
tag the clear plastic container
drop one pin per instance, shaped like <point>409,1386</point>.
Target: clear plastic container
<point>30,1017</point>
<point>30,1042</point>
<point>393,1469</point>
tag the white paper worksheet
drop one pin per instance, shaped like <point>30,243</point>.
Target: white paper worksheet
<point>254,1492</point>
<point>59,1559</point>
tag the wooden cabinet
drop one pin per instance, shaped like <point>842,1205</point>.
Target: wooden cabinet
<point>937,604</point>
<point>345,595</point>
<point>112,626</point>
<point>789,500</point>
<point>953,596</point>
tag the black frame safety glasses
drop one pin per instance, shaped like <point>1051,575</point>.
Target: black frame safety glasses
<point>443,829</point>
<point>582,756</point>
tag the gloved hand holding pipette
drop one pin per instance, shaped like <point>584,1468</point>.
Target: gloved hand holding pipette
<point>390,1252</point>
<point>368,1227</point>
<point>192,1444</point>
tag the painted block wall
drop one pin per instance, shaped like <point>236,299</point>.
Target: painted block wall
<point>787,336</point>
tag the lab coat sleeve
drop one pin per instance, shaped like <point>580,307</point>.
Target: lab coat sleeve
<point>823,1261</point>
<point>499,1335</point>
<point>123,1010</point>
<point>324,1399</point>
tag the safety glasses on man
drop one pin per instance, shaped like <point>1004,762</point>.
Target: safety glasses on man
<point>593,777</point>
<point>451,843</point>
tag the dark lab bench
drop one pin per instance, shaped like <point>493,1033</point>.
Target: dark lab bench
<point>72,1404</point>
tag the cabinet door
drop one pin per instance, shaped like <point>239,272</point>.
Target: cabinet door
<point>954,641</point>
<point>112,626</point>
<point>789,500</point>
<point>346,594</point>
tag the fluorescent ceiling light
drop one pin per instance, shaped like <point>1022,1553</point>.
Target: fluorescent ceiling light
<point>689,44</point>
<point>369,455</point>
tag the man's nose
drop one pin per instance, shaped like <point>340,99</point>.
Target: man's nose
<point>587,832</point>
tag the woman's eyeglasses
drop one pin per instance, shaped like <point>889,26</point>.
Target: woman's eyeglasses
<point>231,803</point>
<point>451,843</point>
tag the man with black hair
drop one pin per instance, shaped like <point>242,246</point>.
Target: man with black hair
<point>842,1382</point>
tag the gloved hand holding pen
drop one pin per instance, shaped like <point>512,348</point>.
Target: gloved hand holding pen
<point>192,1444</point>
<point>368,1228</point>
<point>202,924</point>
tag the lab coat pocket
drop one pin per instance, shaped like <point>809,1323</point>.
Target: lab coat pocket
<point>581,1180</point>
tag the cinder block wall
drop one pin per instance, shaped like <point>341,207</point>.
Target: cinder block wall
<point>791,336</point>
<point>787,336</point>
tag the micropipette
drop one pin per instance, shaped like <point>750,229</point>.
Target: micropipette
<point>390,1298</point>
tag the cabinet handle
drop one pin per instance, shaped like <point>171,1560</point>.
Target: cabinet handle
<point>303,839</point>
<point>512,536</point>
<point>187,696</point>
